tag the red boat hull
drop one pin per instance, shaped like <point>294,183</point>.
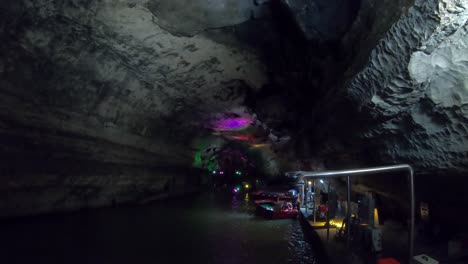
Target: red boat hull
<point>275,210</point>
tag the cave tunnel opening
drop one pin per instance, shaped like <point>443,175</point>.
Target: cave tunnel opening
<point>130,128</point>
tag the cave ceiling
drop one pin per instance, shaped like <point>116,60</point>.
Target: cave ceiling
<point>326,81</point>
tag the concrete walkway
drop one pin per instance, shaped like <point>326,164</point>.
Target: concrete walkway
<point>336,251</point>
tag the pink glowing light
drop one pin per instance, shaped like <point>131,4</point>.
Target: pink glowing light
<point>239,137</point>
<point>221,172</point>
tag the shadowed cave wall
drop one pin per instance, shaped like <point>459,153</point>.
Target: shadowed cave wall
<point>109,102</point>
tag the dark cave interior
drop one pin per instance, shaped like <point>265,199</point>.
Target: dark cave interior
<point>108,103</point>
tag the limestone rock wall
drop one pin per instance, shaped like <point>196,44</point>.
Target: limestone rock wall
<point>415,89</point>
<point>98,103</point>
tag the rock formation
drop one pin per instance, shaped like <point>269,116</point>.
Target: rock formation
<point>415,88</point>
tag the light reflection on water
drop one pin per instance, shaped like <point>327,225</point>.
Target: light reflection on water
<point>210,228</point>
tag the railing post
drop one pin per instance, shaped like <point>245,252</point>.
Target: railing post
<point>314,201</point>
<point>328,212</point>
<point>348,212</point>
<point>412,214</point>
<point>302,195</point>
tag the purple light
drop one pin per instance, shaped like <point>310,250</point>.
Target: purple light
<point>235,190</point>
<point>233,123</point>
<point>221,172</point>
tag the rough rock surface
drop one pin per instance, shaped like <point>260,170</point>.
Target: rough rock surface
<point>415,89</point>
<point>99,103</point>
<point>200,15</point>
<point>323,20</point>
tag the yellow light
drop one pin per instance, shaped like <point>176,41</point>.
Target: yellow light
<point>337,224</point>
<point>376,217</point>
<point>246,186</point>
<point>310,182</point>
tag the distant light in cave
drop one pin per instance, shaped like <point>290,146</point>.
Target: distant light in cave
<point>197,160</point>
<point>236,190</point>
<point>232,123</point>
<point>239,137</point>
<point>221,172</point>
<point>211,166</point>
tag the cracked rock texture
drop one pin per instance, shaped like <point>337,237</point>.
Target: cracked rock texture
<point>415,89</point>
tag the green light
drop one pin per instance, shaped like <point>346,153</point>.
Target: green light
<point>238,188</point>
<point>197,161</point>
<point>211,166</point>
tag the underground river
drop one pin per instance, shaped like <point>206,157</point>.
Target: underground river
<point>205,228</point>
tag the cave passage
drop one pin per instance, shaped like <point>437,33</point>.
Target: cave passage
<point>142,131</point>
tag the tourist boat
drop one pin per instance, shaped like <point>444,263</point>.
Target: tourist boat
<point>275,210</point>
<point>273,196</point>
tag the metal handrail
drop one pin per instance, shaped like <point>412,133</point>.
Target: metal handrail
<point>374,170</point>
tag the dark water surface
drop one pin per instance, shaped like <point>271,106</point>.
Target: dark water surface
<point>209,228</point>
